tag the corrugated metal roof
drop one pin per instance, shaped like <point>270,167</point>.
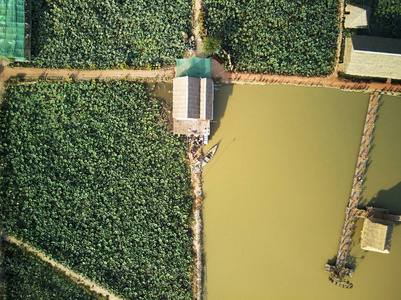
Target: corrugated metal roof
<point>206,99</point>
<point>186,98</point>
<point>373,57</point>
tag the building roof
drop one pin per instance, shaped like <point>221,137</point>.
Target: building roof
<point>206,99</point>
<point>191,126</point>
<point>376,235</point>
<point>186,95</point>
<point>372,57</point>
<point>13,42</point>
<point>357,17</point>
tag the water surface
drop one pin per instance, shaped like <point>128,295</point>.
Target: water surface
<point>277,189</point>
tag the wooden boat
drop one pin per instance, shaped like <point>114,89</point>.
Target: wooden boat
<point>209,155</point>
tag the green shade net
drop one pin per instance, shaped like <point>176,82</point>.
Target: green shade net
<point>194,67</point>
<point>12,29</point>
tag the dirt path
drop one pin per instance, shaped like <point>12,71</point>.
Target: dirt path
<point>331,81</point>
<point>339,38</point>
<point>197,226</point>
<point>8,73</point>
<point>196,31</point>
<point>78,279</point>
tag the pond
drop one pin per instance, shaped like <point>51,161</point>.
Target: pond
<point>277,189</point>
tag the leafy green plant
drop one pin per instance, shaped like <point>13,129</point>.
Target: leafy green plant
<point>105,34</point>
<point>386,18</point>
<point>91,177</point>
<point>211,44</point>
<point>276,36</point>
<point>27,277</point>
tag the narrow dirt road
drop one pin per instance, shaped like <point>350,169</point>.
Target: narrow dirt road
<point>331,81</point>
<point>197,226</point>
<point>196,32</point>
<point>74,276</point>
<point>8,73</point>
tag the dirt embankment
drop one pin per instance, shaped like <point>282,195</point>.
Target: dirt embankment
<point>197,229</point>
<point>8,73</point>
<point>331,81</point>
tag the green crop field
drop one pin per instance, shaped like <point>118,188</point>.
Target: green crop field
<point>385,17</point>
<point>92,177</point>
<point>104,34</point>
<point>276,36</point>
<point>27,277</point>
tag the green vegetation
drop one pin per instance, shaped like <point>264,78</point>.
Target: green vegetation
<point>385,17</point>
<point>92,177</point>
<point>27,277</point>
<point>103,34</point>
<point>276,36</point>
<point>211,44</point>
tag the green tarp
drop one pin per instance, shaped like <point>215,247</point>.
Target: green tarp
<point>194,67</point>
<point>12,29</point>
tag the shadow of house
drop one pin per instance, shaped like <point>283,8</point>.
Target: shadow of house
<point>222,94</point>
<point>389,199</point>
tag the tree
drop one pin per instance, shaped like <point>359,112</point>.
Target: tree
<point>211,44</point>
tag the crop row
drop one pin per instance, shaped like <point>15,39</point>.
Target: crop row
<point>92,178</point>
<point>276,36</point>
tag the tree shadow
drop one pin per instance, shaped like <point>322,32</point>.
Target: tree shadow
<point>221,95</point>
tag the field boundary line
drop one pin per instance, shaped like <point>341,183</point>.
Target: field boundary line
<point>7,73</point>
<point>77,278</point>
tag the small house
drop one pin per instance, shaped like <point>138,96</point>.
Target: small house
<point>193,106</point>
<point>370,56</point>
<point>376,235</point>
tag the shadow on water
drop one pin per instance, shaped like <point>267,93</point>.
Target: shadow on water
<point>354,260</point>
<point>220,155</point>
<point>389,199</point>
<point>221,96</point>
<point>332,261</point>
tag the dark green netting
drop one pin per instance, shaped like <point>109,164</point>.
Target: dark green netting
<point>194,67</point>
<point>12,29</point>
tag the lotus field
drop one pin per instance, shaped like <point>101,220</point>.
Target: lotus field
<point>92,177</point>
<point>112,33</point>
<point>276,36</point>
<point>27,277</point>
<point>386,18</point>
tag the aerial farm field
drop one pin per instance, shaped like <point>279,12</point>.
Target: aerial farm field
<point>385,17</point>
<point>105,34</point>
<point>28,277</point>
<point>92,177</point>
<point>276,36</point>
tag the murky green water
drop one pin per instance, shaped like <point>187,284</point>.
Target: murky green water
<point>277,189</point>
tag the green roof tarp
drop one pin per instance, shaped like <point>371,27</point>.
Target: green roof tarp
<point>12,29</point>
<point>193,67</point>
